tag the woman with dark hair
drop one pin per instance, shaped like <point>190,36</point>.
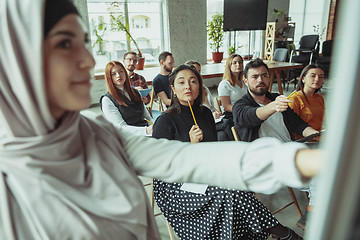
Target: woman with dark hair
<point>207,99</point>
<point>306,101</point>
<point>205,215</point>
<point>310,106</point>
<point>122,105</point>
<point>230,89</point>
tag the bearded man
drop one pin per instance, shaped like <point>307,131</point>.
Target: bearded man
<point>263,114</point>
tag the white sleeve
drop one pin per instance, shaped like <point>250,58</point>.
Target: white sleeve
<point>263,166</point>
<point>113,115</point>
<point>223,88</point>
<point>272,166</point>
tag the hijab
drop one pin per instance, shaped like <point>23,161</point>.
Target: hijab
<point>65,180</point>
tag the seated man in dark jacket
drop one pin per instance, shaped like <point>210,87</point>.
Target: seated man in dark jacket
<point>263,114</point>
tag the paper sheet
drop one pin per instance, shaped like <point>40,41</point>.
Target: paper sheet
<point>194,188</point>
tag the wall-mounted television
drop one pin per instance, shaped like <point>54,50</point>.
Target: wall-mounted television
<point>245,15</point>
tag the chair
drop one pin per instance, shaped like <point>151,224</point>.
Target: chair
<point>217,103</point>
<point>324,59</point>
<point>308,50</point>
<point>307,53</point>
<point>152,203</point>
<point>281,55</point>
<point>236,136</point>
<point>291,191</point>
<point>154,113</point>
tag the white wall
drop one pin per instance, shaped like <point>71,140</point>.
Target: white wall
<point>306,14</point>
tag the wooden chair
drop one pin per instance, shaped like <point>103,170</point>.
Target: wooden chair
<point>152,203</point>
<point>151,104</point>
<point>291,191</point>
<point>217,103</point>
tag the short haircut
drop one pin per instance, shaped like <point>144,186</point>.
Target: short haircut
<point>130,52</point>
<point>255,64</point>
<point>192,62</point>
<point>164,55</point>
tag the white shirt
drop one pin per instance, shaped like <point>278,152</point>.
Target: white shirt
<point>113,115</point>
<point>275,127</point>
<point>234,92</point>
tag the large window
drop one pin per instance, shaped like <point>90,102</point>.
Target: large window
<point>144,20</point>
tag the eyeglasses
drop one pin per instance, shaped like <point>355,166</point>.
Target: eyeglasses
<point>131,60</point>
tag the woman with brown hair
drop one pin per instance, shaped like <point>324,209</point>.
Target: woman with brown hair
<point>122,105</point>
<point>306,101</point>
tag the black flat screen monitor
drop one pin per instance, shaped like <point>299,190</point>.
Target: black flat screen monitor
<point>245,15</point>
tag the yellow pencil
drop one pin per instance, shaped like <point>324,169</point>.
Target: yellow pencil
<point>291,94</point>
<point>149,121</point>
<point>192,113</point>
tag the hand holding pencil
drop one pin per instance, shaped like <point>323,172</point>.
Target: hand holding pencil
<point>195,134</point>
<point>281,103</point>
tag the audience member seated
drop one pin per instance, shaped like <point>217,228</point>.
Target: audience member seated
<point>208,99</point>
<point>161,81</point>
<point>72,175</point>
<point>263,114</point>
<point>136,80</point>
<point>205,215</point>
<point>122,105</point>
<point>306,101</point>
<point>230,89</point>
<point>310,106</point>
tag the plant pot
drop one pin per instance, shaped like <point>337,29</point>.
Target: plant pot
<point>141,62</point>
<point>217,57</point>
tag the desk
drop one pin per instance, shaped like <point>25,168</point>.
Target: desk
<point>216,70</point>
<point>275,68</point>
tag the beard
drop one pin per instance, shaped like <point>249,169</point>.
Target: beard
<point>130,68</point>
<point>167,69</point>
<point>259,91</point>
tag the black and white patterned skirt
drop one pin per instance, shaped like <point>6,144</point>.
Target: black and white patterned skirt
<point>219,214</point>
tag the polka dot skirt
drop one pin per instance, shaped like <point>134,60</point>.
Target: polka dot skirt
<point>219,214</point>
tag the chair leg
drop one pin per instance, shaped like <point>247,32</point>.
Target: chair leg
<point>293,197</point>
<point>171,231</point>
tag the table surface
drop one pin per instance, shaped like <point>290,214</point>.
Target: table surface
<point>215,70</point>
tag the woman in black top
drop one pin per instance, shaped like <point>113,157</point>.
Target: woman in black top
<point>215,213</point>
<point>122,104</point>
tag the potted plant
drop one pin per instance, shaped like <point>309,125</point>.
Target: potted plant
<point>216,36</point>
<point>99,32</point>
<point>117,24</point>
<point>277,13</point>
<point>232,49</point>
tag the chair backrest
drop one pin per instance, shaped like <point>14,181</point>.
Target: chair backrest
<point>327,47</point>
<point>217,103</point>
<point>309,41</point>
<point>152,100</point>
<point>280,54</point>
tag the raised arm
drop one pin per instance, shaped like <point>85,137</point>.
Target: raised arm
<point>164,98</point>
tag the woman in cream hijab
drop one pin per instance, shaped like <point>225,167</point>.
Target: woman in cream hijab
<point>68,176</point>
